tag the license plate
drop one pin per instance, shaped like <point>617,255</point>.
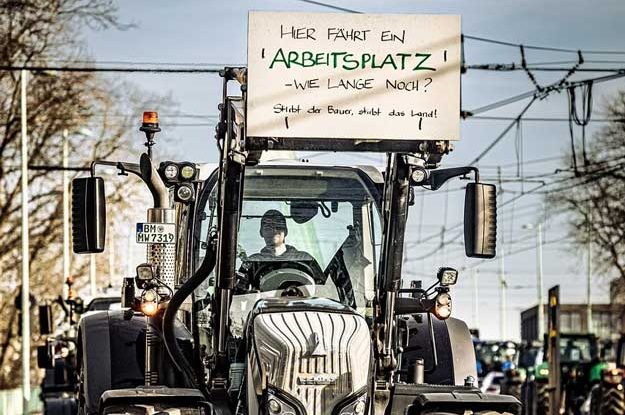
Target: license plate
<point>156,233</point>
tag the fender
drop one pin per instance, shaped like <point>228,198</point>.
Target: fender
<point>111,354</point>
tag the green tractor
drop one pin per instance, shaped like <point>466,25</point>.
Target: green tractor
<point>579,365</point>
<point>608,395</point>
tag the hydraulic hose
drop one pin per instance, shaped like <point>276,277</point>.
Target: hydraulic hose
<point>169,337</point>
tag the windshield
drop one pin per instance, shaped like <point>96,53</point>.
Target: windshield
<point>576,349</point>
<point>304,232</point>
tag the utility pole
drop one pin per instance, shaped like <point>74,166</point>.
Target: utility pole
<point>25,300</point>
<point>66,257</point>
<point>502,273</point>
<point>588,285</point>
<point>476,298</point>
<point>539,281</point>
<point>92,275</point>
<point>111,248</point>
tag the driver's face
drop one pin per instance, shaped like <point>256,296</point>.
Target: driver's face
<point>273,237</point>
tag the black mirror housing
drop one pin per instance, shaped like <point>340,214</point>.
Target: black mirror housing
<point>88,215</point>
<point>480,220</point>
<point>45,319</point>
<point>45,358</point>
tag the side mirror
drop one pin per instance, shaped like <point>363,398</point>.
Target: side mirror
<point>88,215</point>
<point>480,220</point>
<point>45,359</point>
<point>45,319</point>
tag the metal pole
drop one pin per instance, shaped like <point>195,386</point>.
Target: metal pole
<point>25,254</point>
<point>66,258</point>
<point>539,281</point>
<point>553,351</point>
<point>588,285</point>
<point>476,298</point>
<point>502,300</point>
<point>92,276</point>
<point>502,272</point>
<point>111,247</point>
<point>129,270</point>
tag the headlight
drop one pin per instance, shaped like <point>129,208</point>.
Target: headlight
<point>613,376</point>
<point>442,308</point>
<point>419,175</point>
<point>187,172</point>
<point>149,302</point>
<point>278,405</point>
<point>184,192</point>
<point>355,407</point>
<point>171,172</point>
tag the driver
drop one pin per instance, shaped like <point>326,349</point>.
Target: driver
<point>273,230</point>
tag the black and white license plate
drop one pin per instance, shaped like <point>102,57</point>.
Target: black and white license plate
<point>156,233</point>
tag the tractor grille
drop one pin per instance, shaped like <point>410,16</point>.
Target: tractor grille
<point>316,357</point>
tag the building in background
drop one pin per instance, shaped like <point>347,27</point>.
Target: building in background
<point>607,319</point>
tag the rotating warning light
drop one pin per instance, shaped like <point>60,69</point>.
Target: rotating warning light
<point>150,126</point>
<point>150,117</point>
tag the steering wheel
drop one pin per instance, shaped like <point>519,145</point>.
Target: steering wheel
<point>281,278</point>
<point>278,275</point>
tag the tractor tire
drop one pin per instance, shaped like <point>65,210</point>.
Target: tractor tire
<point>612,400</point>
<point>542,399</point>
<point>595,400</point>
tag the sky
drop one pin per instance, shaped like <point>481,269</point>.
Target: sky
<point>215,33</point>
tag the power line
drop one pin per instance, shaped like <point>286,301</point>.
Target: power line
<point>540,119</point>
<point>122,62</point>
<point>545,48</point>
<point>503,133</point>
<point>42,68</point>
<point>557,86</point>
<point>483,39</point>
<point>509,67</point>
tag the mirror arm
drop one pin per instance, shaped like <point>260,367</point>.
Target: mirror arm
<point>148,174</point>
<point>439,177</point>
<point>409,305</point>
<point>123,167</point>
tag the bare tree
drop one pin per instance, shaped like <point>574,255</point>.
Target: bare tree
<point>39,32</point>
<point>595,198</point>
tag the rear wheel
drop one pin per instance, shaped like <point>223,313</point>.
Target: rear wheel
<point>612,400</point>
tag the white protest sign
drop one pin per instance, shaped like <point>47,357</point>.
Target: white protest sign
<point>337,75</point>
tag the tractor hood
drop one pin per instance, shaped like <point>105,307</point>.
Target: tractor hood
<point>308,356</point>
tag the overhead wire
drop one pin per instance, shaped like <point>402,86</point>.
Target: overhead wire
<point>44,68</point>
<point>503,133</point>
<point>483,39</point>
<point>546,48</point>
